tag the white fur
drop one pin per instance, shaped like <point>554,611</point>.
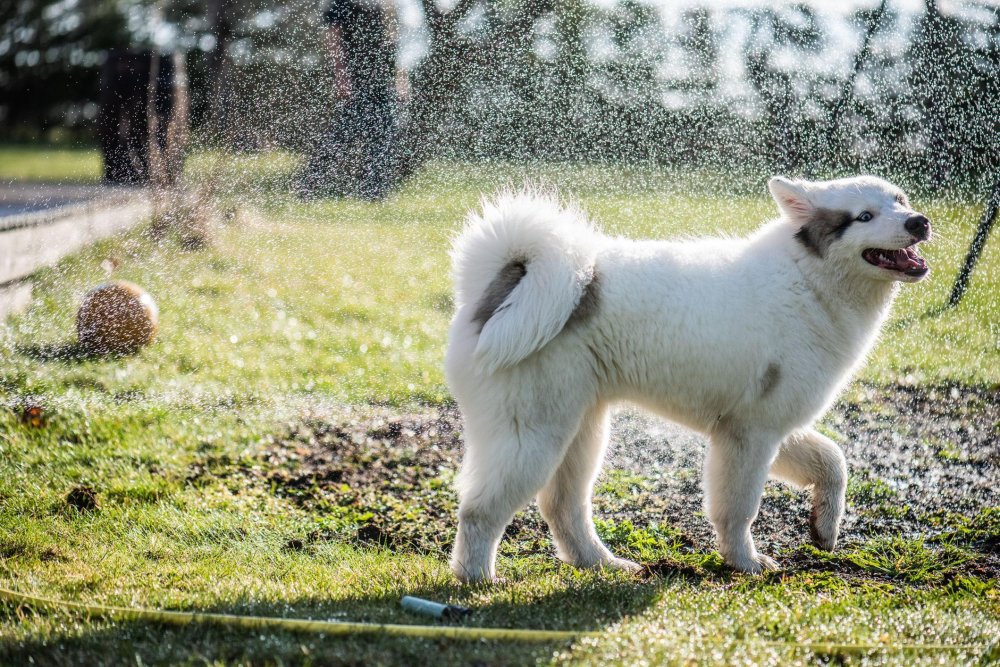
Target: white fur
<point>746,340</point>
<point>529,228</point>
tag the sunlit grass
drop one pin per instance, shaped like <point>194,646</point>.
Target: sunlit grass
<point>296,307</point>
<point>351,301</point>
<point>65,165</point>
<point>907,560</point>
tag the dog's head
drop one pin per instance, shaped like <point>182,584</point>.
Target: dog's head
<point>865,222</point>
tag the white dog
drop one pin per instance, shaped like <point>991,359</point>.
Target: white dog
<point>746,340</point>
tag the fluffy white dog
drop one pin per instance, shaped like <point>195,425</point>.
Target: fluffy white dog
<point>746,340</point>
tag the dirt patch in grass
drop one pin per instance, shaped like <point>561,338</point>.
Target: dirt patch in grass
<point>382,478</point>
<point>393,453</point>
<point>923,466</point>
<point>83,498</point>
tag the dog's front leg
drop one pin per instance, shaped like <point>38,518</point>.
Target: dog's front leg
<point>736,467</point>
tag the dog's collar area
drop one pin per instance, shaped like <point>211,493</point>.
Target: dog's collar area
<point>903,260</point>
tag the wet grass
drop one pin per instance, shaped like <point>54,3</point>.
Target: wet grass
<point>282,450</point>
<point>900,559</point>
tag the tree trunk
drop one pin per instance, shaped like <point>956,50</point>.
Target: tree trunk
<point>221,95</point>
<point>436,81</point>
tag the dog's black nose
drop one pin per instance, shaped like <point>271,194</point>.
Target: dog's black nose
<point>918,225</point>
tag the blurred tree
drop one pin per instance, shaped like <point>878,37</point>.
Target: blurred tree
<point>251,60</point>
<point>955,83</point>
<point>632,76</point>
<point>559,79</point>
<point>256,67</point>
<point>438,79</point>
<point>774,87</point>
<point>220,17</point>
<point>702,48</point>
<point>931,111</point>
<point>138,95</point>
<point>478,85</point>
<point>50,56</point>
<point>938,76</point>
<point>836,131</point>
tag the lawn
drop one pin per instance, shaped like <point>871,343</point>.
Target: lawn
<point>63,164</point>
<point>286,448</point>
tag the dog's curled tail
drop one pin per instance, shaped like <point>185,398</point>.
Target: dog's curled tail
<point>520,269</point>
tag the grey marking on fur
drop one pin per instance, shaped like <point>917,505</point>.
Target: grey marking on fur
<point>826,226</point>
<point>770,379</point>
<point>498,290</point>
<point>589,302</point>
<point>603,367</point>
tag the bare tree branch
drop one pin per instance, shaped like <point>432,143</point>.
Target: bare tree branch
<point>432,14</point>
<point>460,10</point>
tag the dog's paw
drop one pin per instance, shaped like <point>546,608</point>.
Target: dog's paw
<point>622,564</point>
<point>472,575</point>
<point>754,563</point>
<point>767,563</point>
<point>483,581</point>
<point>823,529</point>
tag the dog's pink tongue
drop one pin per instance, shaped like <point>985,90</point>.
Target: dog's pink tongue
<point>905,259</point>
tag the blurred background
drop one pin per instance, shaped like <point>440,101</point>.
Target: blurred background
<point>908,89</point>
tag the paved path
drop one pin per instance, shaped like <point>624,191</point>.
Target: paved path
<point>20,198</point>
<point>41,223</point>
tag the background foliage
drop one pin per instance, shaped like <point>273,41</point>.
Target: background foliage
<point>767,87</point>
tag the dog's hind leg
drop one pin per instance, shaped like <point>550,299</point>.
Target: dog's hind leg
<point>506,462</point>
<point>565,502</point>
<point>736,467</point>
<point>807,458</point>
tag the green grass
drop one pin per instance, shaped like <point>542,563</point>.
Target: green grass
<point>67,165</point>
<point>902,559</point>
<point>983,529</point>
<point>326,308</point>
<point>620,484</point>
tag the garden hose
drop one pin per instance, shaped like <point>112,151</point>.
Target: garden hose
<point>338,628</point>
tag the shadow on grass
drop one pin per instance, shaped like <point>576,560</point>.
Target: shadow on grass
<point>588,607</point>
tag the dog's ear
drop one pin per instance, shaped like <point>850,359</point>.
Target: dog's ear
<point>792,198</point>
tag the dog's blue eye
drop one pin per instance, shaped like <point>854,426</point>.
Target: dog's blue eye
<point>864,217</point>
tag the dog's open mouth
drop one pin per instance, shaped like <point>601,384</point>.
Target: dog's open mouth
<point>903,260</point>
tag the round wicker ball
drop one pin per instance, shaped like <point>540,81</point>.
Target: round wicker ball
<point>116,317</point>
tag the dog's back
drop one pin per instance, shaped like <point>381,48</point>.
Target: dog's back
<point>699,326</point>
